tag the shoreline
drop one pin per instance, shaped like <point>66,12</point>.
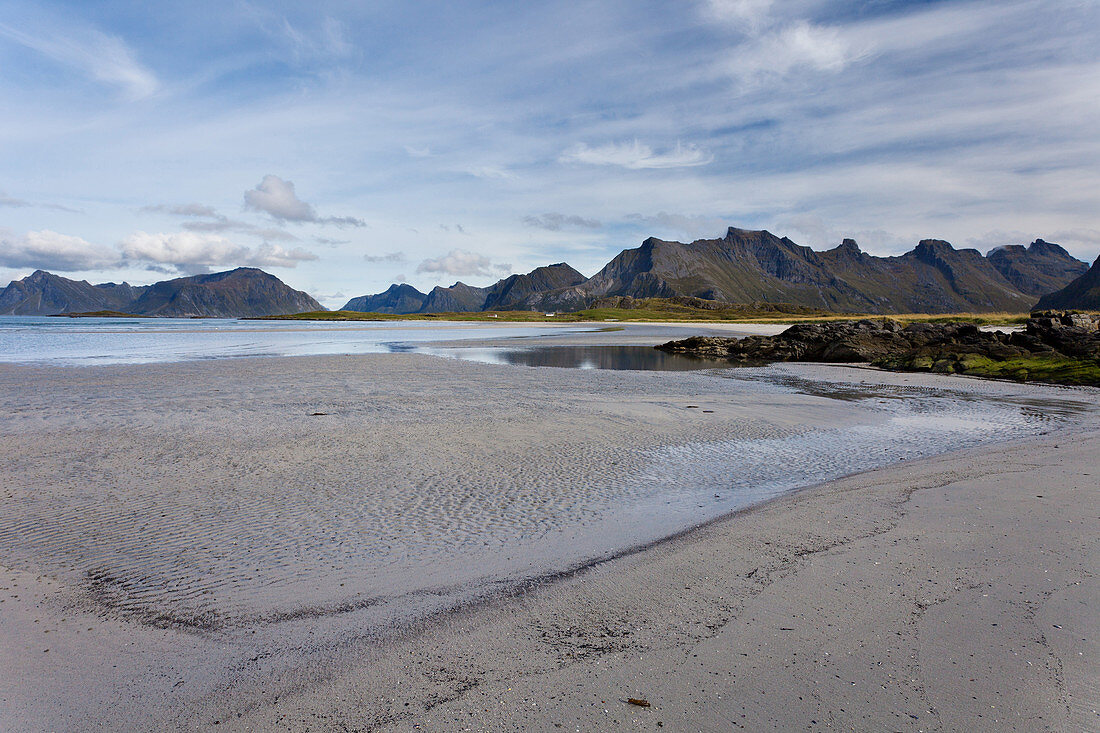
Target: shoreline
<point>303,679</point>
<point>523,686</point>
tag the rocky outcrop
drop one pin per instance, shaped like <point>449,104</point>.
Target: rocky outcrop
<point>1053,336</point>
<point>1084,292</point>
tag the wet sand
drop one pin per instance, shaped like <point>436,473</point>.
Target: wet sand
<point>863,603</point>
<point>957,593</point>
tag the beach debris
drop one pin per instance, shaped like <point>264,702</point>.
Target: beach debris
<point>638,701</point>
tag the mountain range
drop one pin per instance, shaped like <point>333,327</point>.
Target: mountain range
<point>744,266</point>
<point>242,292</point>
<point>511,293</point>
<point>757,266</point>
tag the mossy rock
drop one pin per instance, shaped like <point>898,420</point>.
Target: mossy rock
<point>970,362</point>
<point>921,363</point>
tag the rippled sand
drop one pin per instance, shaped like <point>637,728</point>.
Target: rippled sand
<point>266,508</point>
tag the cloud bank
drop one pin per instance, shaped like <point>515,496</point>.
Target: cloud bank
<point>191,249</point>
<point>48,250</point>
<point>459,263</point>
<point>390,257</point>
<point>555,222</point>
<point>180,251</point>
<point>636,156</point>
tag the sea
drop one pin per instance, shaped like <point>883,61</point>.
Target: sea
<point>90,341</point>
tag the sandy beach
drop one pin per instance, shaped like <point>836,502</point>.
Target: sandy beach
<point>200,544</point>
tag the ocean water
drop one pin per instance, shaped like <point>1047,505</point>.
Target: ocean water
<point>89,341</point>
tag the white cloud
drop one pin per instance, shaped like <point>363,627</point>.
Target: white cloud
<point>102,57</point>
<point>15,203</point>
<point>694,226</point>
<point>489,171</point>
<point>223,224</point>
<point>799,46</point>
<point>555,222</point>
<point>183,210</point>
<point>390,257</point>
<point>276,197</point>
<point>274,255</point>
<point>814,232</point>
<point>460,262</point>
<point>204,218</point>
<point>776,42</point>
<point>308,44</point>
<point>636,156</point>
<point>328,41</point>
<point>751,13</point>
<point>47,250</point>
<point>191,249</point>
<point>1085,237</point>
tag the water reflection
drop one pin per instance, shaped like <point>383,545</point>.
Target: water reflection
<point>639,358</point>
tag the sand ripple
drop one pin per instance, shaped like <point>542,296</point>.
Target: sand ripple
<point>207,496</point>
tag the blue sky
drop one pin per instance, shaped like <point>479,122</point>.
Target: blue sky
<point>346,145</point>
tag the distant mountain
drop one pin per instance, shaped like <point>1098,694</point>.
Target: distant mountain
<point>43,293</point>
<point>1083,293</point>
<point>749,266</point>
<point>1039,268</point>
<point>397,299</point>
<point>459,298</point>
<point>243,292</point>
<point>236,293</point>
<point>757,266</point>
<point>516,289</point>
<point>505,294</point>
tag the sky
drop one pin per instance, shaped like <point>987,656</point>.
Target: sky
<point>343,146</point>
